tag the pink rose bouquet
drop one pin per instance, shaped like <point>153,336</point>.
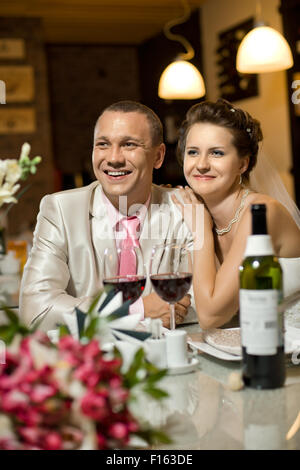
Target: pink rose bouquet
<point>69,395</point>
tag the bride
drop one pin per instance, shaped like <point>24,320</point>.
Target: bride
<point>218,145</point>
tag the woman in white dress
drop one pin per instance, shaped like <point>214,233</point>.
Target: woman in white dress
<point>218,145</point>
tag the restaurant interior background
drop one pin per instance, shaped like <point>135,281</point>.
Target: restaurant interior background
<point>84,55</point>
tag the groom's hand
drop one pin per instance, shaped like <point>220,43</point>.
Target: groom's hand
<point>155,307</point>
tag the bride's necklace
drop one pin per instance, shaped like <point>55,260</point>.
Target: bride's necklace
<point>236,215</point>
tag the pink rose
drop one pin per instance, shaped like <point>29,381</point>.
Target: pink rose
<point>111,365</point>
<point>133,426</point>
<point>87,374</point>
<point>14,401</point>
<point>115,382</point>
<point>31,435</point>
<point>24,349</point>
<point>29,416</point>
<point>41,392</point>
<point>109,369</point>
<point>103,391</point>
<point>94,406</point>
<point>91,350</point>
<point>52,441</point>
<point>67,343</point>
<point>101,441</point>
<point>118,431</point>
<point>13,379</point>
<point>118,396</point>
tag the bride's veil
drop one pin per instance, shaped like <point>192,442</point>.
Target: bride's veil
<point>265,179</point>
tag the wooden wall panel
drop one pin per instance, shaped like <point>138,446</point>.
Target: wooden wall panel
<point>83,81</point>
<point>23,214</point>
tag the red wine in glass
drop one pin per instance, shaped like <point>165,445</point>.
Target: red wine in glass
<point>171,287</point>
<point>171,274</point>
<point>131,287</point>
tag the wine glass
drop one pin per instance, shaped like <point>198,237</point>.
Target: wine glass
<point>131,284</point>
<point>171,273</point>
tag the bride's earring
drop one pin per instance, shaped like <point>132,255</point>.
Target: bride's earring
<point>241,180</point>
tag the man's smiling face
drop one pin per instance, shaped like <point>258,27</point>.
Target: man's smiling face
<point>124,156</point>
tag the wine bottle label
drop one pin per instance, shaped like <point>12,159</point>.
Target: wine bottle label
<point>259,245</point>
<point>261,328</point>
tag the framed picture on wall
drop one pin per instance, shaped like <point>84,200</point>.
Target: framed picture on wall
<point>19,82</point>
<point>233,85</point>
<point>296,93</point>
<point>17,120</point>
<point>12,48</point>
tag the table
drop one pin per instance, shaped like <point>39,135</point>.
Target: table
<point>203,413</point>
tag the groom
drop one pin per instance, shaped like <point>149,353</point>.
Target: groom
<point>74,227</point>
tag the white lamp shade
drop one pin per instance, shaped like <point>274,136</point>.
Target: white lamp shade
<point>263,49</point>
<point>181,80</point>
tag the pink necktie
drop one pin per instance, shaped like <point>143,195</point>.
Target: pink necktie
<point>128,257</point>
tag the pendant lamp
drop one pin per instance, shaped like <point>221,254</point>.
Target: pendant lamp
<point>263,49</point>
<point>181,79</point>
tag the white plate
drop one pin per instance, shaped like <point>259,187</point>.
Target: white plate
<point>224,355</point>
<point>289,346</point>
<point>292,334</point>
<point>193,362</point>
<point>220,338</point>
<point>208,349</point>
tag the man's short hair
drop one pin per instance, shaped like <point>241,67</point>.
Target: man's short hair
<point>127,106</point>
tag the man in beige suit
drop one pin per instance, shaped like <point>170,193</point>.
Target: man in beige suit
<point>65,267</point>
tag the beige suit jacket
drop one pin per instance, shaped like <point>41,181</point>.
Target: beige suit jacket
<point>65,268</point>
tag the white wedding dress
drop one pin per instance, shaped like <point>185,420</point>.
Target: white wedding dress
<point>291,282</point>
<point>291,275</point>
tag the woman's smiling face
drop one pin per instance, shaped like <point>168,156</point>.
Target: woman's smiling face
<point>211,162</point>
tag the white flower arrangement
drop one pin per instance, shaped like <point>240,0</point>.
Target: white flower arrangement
<point>11,171</point>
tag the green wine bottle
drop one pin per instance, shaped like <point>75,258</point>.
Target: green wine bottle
<point>260,293</point>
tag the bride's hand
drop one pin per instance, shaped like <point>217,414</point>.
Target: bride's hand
<point>189,208</point>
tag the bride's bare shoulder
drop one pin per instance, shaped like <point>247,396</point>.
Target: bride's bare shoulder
<point>273,206</point>
<point>259,198</point>
<point>275,211</point>
<point>281,225</point>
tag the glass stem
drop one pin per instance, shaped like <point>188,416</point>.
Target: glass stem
<point>172,318</point>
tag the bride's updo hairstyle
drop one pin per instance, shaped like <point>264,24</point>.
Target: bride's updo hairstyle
<point>246,131</point>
